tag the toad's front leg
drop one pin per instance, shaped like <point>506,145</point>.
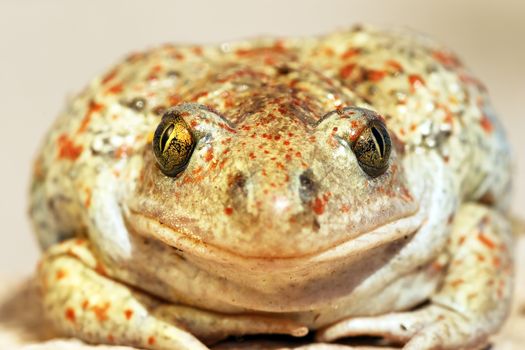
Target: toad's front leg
<point>473,301</point>
<point>83,302</point>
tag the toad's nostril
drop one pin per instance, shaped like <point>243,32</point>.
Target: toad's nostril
<point>237,184</point>
<point>307,186</point>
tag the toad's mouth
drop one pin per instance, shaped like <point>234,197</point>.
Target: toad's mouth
<point>194,247</point>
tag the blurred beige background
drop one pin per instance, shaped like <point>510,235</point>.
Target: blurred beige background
<point>50,49</point>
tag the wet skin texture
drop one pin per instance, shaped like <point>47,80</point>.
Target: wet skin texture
<point>327,184</point>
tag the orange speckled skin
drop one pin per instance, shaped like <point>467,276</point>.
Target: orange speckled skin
<point>273,219</point>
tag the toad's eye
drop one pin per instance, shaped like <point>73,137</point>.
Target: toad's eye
<point>173,144</point>
<point>372,148</point>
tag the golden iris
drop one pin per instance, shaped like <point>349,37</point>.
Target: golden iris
<point>372,148</point>
<point>173,144</point>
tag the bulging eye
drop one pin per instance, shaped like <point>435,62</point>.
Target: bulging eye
<point>372,148</point>
<point>173,144</point>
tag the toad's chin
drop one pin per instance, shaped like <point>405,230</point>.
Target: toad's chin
<point>288,284</point>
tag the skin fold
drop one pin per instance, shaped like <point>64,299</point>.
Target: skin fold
<point>278,186</point>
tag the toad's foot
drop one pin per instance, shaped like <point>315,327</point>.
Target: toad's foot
<point>473,301</point>
<point>425,328</point>
<point>83,302</point>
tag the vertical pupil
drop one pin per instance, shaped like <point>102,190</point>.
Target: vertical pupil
<point>165,137</point>
<point>380,143</point>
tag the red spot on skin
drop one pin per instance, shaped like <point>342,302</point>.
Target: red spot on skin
<point>252,155</point>
<point>60,274</point>
<point>346,70</point>
<point>92,108</point>
<point>128,313</point>
<point>263,51</point>
<point>437,266</point>
<point>456,282</point>
<point>151,340</point>
<point>80,241</point>
<point>111,339</point>
<point>395,65</point>
<point>496,261</point>
<point>87,201</point>
<point>197,50</point>
<point>328,51</point>
<point>156,68</point>
<point>115,89</point>
<point>270,61</point>
<point>227,128</point>
<point>209,155</point>
<point>283,110</point>
<point>375,75</point>
<point>486,124</point>
<point>228,211</point>
<point>152,77</point>
<point>345,208</point>
<point>318,206</point>
<point>109,76</point>
<point>67,149</point>
<point>351,52</point>
<point>70,315</point>
<point>486,241</point>
<point>446,58</point>
<point>177,55</point>
<point>468,79</point>
<point>99,268</point>
<point>414,81</point>
<point>85,304</point>
<point>229,100</point>
<point>449,119</point>
<point>174,100</point>
<point>101,311</point>
<point>123,152</point>
<point>199,95</point>
<point>286,142</point>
